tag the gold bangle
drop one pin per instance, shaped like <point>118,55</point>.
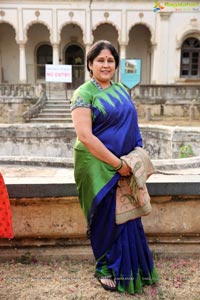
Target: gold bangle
<point>120,165</point>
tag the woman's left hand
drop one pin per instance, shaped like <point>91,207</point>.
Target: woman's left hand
<point>125,169</point>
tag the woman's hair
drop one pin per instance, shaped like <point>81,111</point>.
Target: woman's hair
<point>96,49</point>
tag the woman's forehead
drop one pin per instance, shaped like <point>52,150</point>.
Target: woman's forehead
<point>105,53</point>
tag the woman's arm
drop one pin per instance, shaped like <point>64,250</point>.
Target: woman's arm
<point>82,121</point>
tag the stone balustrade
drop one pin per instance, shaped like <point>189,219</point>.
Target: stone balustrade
<point>17,90</point>
<point>144,92</point>
<point>166,93</point>
<point>169,100</point>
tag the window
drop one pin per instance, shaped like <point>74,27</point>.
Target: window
<point>190,58</point>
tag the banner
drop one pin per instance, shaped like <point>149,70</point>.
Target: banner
<point>130,72</point>
<point>58,73</point>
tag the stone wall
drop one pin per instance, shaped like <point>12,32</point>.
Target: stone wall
<point>32,140</point>
<point>57,140</point>
<point>11,110</point>
<point>59,220</point>
<point>165,141</point>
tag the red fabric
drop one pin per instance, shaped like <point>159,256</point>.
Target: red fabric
<point>5,212</point>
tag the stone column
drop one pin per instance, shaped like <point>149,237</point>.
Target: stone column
<point>164,47</point>
<point>55,54</point>
<point>22,63</point>
<point>87,75</point>
<point>122,51</point>
<point>122,56</point>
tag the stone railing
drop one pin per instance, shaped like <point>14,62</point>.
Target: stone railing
<point>17,90</point>
<point>36,108</point>
<point>175,99</point>
<point>15,99</point>
<point>166,93</point>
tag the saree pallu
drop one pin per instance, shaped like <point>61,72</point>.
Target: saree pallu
<point>5,212</point>
<point>120,250</point>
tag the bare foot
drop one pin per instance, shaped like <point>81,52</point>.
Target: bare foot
<point>108,282</point>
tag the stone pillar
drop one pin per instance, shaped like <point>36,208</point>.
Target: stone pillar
<point>122,55</point>
<point>11,116</point>
<point>55,54</point>
<point>87,75</point>
<point>192,112</point>
<point>122,51</point>
<point>22,63</point>
<point>147,113</point>
<point>164,47</point>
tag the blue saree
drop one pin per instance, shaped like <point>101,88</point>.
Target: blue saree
<point>120,250</point>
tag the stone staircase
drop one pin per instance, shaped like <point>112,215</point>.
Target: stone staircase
<point>55,111</point>
<point>57,107</point>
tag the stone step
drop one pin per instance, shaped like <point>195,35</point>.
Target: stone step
<point>51,120</point>
<point>52,115</point>
<point>55,99</point>
<point>56,102</point>
<point>56,110</point>
<point>59,106</point>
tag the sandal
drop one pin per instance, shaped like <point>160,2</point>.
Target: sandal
<point>105,286</point>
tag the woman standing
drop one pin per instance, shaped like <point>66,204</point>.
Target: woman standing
<point>106,124</point>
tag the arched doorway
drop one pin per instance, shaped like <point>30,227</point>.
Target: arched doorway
<point>74,56</point>
<point>9,54</point>
<point>139,46</point>
<point>38,38</point>
<point>43,57</point>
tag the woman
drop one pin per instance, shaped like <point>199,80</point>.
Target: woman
<point>105,121</point>
<point>5,212</point>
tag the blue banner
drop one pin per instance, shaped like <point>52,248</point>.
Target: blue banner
<point>130,72</point>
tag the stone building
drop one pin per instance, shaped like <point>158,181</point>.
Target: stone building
<point>165,36</point>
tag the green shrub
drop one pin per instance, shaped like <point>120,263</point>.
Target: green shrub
<point>186,151</point>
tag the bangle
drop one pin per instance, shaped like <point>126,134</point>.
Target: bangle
<point>120,165</point>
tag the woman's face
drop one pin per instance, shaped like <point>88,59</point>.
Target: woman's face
<point>103,67</point>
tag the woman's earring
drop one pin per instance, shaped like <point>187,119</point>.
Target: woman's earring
<point>91,73</point>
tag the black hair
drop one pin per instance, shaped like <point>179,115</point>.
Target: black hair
<point>97,48</point>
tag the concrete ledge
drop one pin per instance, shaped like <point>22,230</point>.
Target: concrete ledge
<point>158,184</point>
<point>31,190</point>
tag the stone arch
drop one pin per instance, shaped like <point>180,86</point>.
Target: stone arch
<point>150,28</point>
<point>190,32</point>
<point>101,23</point>
<point>9,53</point>
<point>66,24</point>
<point>35,22</point>
<point>10,24</point>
